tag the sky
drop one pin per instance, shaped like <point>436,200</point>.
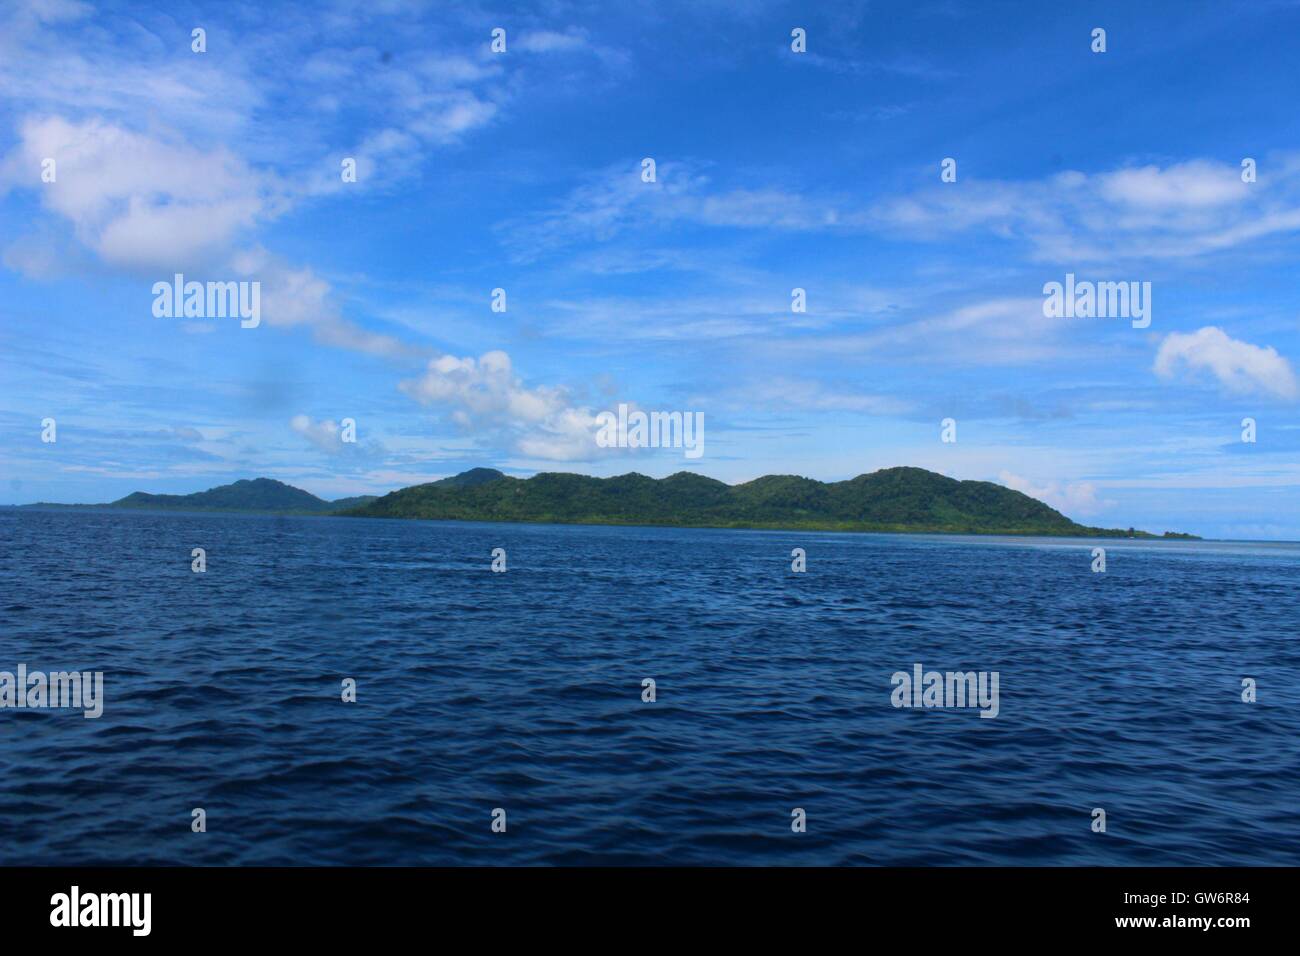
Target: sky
<point>774,169</point>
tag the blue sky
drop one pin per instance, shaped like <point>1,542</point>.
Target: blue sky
<point>774,170</point>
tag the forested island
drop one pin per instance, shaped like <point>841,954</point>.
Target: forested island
<point>890,500</point>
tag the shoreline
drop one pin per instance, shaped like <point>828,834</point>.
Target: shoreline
<point>825,528</point>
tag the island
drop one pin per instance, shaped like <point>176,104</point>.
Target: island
<point>891,500</point>
<point>257,495</point>
<point>903,500</point>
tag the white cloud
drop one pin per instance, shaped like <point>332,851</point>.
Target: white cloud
<point>615,200</point>
<point>323,434</point>
<point>169,162</point>
<point>154,207</point>
<point>50,11</point>
<point>1239,367</point>
<point>1000,331</point>
<point>1193,184</point>
<point>1069,498</point>
<point>1186,209</point>
<point>140,202</point>
<point>486,395</point>
<point>551,41</point>
<point>121,66</point>
<point>297,296</point>
<point>572,40</point>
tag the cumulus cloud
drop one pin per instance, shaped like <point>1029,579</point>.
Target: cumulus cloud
<point>486,395</point>
<point>1238,366</point>
<point>1069,498</point>
<point>140,202</point>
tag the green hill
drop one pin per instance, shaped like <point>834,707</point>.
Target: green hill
<point>894,499</point>
<point>257,494</point>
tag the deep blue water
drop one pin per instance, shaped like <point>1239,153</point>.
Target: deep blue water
<point>522,690</point>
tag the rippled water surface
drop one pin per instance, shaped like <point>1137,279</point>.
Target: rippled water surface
<point>523,690</point>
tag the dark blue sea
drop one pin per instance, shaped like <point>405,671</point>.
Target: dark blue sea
<point>523,691</point>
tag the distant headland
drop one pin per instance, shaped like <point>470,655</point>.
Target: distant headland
<point>891,500</point>
<point>257,495</point>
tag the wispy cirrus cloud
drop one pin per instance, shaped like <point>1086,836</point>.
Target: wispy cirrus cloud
<point>616,200</point>
<point>790,393</point>
<point>1179,211</point>
<point>984,331</point>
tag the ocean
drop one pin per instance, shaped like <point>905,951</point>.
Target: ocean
<point>519,697</point>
